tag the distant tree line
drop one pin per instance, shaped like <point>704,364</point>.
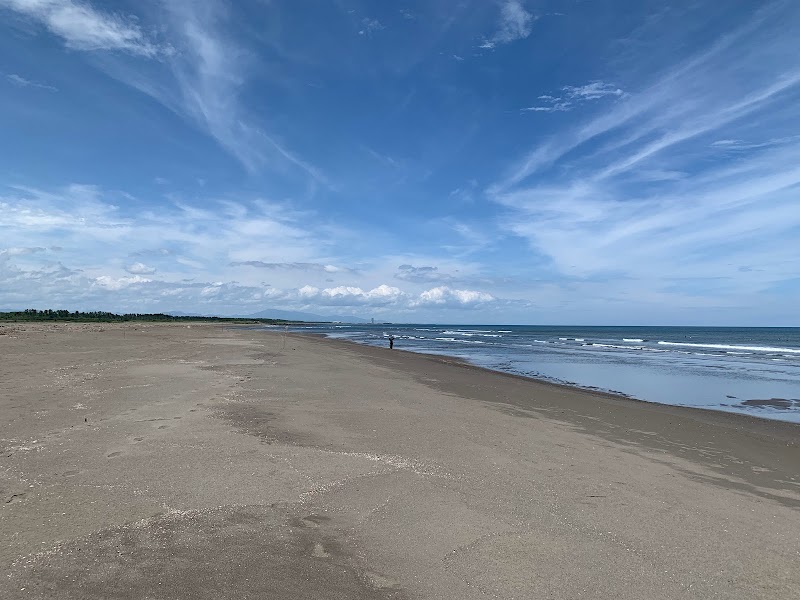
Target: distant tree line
<point>98,316</point>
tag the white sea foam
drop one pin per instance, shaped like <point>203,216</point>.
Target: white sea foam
<point>471,333</point>
<point>596,345</point>
<point>459,341</point>
<point>580,340</point>
<point>733,347</point>
<point>635,340</point>
<point>467,331</point>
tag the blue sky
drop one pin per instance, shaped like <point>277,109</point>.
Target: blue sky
<point>509,161</point>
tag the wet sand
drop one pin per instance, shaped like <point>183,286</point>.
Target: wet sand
<point>160,461</point>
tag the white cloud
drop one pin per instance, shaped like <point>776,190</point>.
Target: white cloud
<point>593,91</point>
<point>743,146</point>
<point>515,23</point>
<point>740,215</point>
<point>138,268</point>
<point>209,70</point>
<point>384,296</point>
<point>671,197</point>
<point>573,96</point>
<point>699,95</point>
<point>444,296</point>
<point>293,266</point>
<point>178,240</point>
<point>21,251</point>
<point>424,274</point>
<point>84,28</point>
<point>555,107</point>
<point>193,251</point>
<point>190,249</point>
<point>370,27</point>
<point>351,296</point>
<point>111,283</point>
<point>21,81</point>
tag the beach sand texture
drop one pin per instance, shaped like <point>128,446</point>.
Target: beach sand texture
<point>166,461</point>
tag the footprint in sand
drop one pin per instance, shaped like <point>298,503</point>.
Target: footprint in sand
<point>176,418</point>
<point>70,473</point>
<point>15,498</point>
<point>163,426</point>
<point>319,551</point>
<point>310,521</point>
<point>113,454</point>
<point>379,582</point>
<point>138,439</point>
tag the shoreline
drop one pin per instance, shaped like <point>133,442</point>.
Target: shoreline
<point>679,430</point>
<point>448,359</point>
<point>202,461</point>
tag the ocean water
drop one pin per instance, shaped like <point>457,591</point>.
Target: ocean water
<point>755,371</point>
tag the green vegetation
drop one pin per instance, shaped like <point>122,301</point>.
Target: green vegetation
<point>32,314</point>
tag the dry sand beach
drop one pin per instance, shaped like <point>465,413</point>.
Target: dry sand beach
<point>153,461</point>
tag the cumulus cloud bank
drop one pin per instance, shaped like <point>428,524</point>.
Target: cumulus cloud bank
<point>444,296</point>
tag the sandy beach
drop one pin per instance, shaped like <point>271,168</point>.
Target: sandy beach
<point>202,461</point>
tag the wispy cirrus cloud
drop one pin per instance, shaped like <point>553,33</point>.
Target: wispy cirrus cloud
<point>738,146</point>
<point>370,27</point>
<point>699,94</point>
<point>573,96</point>
<point>579,198</point>
<point>21,81</point>
<point>82,27</point>
<point>209,70</point>
<point>515,23</point>
<point>210,74</point>
<point>293,266</point>
<point>203,70</point>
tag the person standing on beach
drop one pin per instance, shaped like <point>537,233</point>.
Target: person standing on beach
<point>391,342</point>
